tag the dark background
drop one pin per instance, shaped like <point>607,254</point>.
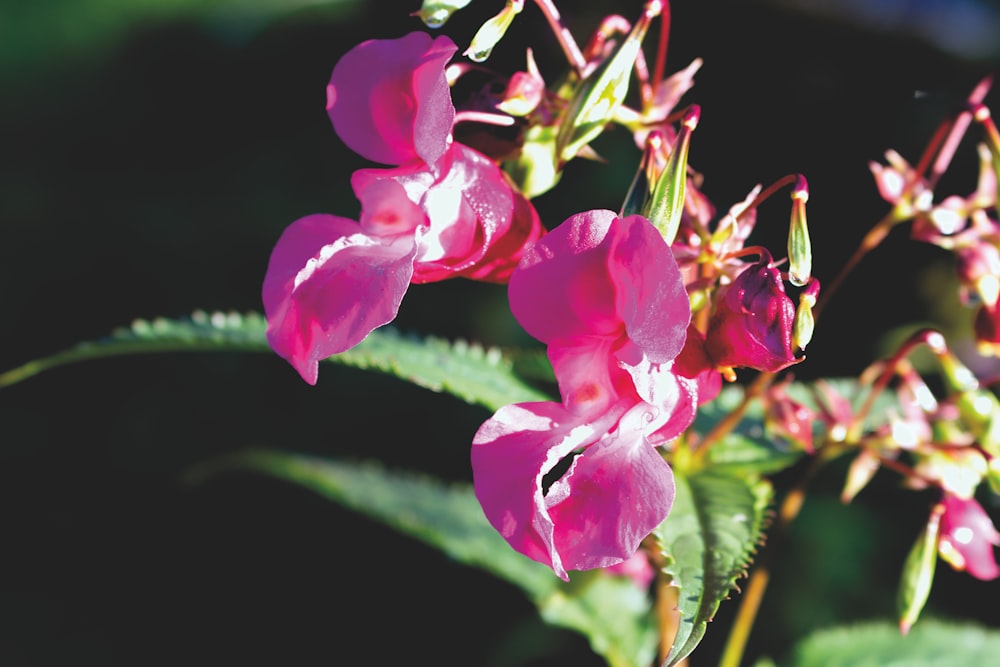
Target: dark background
<point>152,152</point>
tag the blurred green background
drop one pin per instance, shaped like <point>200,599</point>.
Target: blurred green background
<point>152,151</point>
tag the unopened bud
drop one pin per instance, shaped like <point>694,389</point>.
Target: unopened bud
<point>666,204</point>
<point>435,13</point>
<point>599,96</point>
<point>799,245</point>
<point>805,322</point>
<point>861,471</point>
<point>918,572</point>
<point>491,32</point>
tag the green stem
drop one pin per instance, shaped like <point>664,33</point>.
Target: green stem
<point>753,594</point>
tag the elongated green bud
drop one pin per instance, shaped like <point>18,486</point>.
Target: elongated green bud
<point>666,204</point>
<point>918,572</point>
<point>638,192</point>
<point>799,245</point>
<point>435,13</point>
<point>491,32</point>
<point>805,322</point>
<point>602,92</point>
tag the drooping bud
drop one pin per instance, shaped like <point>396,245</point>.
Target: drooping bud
<point>491,32</point>
<point>799,245</point>
<point>435,13</point>
<point>805,322</point>
<point>918,572</point>
<point>753,320</point>
<point>602,92</point>
<point>666,203</point>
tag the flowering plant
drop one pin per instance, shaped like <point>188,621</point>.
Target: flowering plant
<point>634,473</point>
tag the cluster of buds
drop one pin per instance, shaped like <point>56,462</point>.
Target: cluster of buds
<point>947,444</point>
<point>967,226</point>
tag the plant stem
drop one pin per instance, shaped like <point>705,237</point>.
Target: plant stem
<point>871,240</point>
<point>752,596</point>
<point>563,35</point>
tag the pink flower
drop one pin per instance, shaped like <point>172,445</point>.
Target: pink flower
<point>445,211</point>
<point>753,321</point>
<point>578,484</point>
<point>968,537</point>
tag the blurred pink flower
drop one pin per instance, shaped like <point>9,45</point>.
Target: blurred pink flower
<point>578,484</point>
<point>968,537</point>
<point>445,211</point>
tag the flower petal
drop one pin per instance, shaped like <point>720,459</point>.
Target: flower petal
<point>476,224</point>
<point>389,99</point>
<point>651,299</point>
<point>561,288</point>
<point>968,533</point>
<point>328,286</point>
<point>511,453</point>
<point>616,492</point>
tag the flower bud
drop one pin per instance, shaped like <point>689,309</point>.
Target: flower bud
<point>491,32</point>
<point>435,13</point>
<point>666,203</point>
<point>799,246</point>
<point>602,92</point>
<point>861,471</point>
<point>753,320</point>
<point>805,323</point>
<point>524,91</point>
<point>918,572</point>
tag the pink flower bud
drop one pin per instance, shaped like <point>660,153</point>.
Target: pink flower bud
<point>753,321</point>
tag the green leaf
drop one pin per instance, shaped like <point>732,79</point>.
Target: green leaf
<point>469,371</point>
<point>714,527</point>
<point>931,643</point>
<point>610,610</point>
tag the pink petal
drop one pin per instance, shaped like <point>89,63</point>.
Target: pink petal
<point>968,530</point>
<point>589,379</point>
<point>328,286</point>
<point>615,493</point>
<point>561,289</point>
<point>389,99</point>
<point>511,453</point>
<point>651,299</point>
<point>476,225</point>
